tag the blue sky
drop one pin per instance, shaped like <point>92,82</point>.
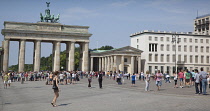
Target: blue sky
<point>111,21</point>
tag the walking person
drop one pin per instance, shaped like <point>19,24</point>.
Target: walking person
<point>100,79</point>
<point>197,82</point>
<point>159,79</point>
<point>56,89</point>
<point>142,75</point>
<point>5,78</point>
<point>167,78</point>
<point>89,81</point>
<point>133,79</point>
<point>147,80</point>
<point>175,79</point>
<point>204,77</point>
<point>192,78</point>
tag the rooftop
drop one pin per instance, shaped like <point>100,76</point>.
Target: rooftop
<point>202,16</point>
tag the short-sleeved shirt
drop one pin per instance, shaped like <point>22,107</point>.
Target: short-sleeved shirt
<point>187,75</point>
<point>159,78</point>
<point>133,77</point>
<point>203,75</point>
<point>181,75</point>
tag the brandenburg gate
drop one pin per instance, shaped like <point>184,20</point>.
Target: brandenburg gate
<point>51,32</point>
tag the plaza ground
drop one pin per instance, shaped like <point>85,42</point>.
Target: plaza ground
<point>36,96</point>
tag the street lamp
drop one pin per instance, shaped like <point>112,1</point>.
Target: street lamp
<point>175,39</point>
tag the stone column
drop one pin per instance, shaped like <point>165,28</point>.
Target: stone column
<point>56,64</point>
<point>6,55</point>
<point>37,55</point>
<point>108,65</point>
<point>139,64</point>
<point>91,64</point>
<point>115,63</point>
<point>70,49</point>
<point>102,63</point>
<point>85,56</point>
<point>99,64</point>
<point>21,58</point>
<point>111,69</point>
<point>105,64</point>
<point>122,63</point>
<point>132,64</point>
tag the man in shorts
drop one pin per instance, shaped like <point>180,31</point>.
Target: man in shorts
<point>5,80</point>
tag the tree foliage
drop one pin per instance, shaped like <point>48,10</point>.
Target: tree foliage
<point>107,47</point>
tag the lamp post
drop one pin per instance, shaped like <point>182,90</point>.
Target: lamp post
<point>175,39</point>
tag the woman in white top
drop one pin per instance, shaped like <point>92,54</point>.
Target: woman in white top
<point>147,80</point>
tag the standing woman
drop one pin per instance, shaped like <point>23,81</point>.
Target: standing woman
<point>159,79</point>
<point>55,88</point>
<point>147,79</point>
<point>175,79</point>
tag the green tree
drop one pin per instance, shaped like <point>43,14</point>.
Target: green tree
<point>107,47</point>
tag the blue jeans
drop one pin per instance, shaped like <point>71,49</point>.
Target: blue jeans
<point>204,85</point>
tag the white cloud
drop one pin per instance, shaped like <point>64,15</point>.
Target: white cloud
<point>78,13</point>
<point>122,3</point>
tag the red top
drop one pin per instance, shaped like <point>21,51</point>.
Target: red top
<point>181,75</point>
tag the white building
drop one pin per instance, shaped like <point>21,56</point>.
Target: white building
<point>159,52</point>
<point>126,59</point>
<point>201,25</point>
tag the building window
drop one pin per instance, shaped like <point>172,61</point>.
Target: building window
<point>150,57</point>
<point>207,49</point>
<point>156,58</point>
<point>150,69</point>
<point>150,47</point>
<point>168,47</point>
<point>190,40</point>
<point>161,39</point>
<point>179,39</point>
<point>162,58</point>
<point>162,47</point>
<point>207,41</point>
<point>191,59</point>
<point>202,59</point>
<point>125,60</point>
<point>168,39</point>
<point>196,59</point>
<point>168,58</point>
<point>179,48</point>
<point>185,39</point>
<point>150,38</point>
<point>156,38</point>
<point>190,48</point>
<point>201,40</point>
<point>196,48</point>
<point>185,48</point>
<point>179,58</point>
<point>137,41</point>
<point>207,59</point>
<point>174,58</point>
<point>137,46</point>
<point>185,58</point>
<point>201,48</point>
<point>196,40</point>
<point>173,47</point>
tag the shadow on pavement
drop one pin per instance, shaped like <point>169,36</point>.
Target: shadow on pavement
<point>64,104</point>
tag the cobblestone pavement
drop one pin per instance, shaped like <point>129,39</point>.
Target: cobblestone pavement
<point>36,96</point>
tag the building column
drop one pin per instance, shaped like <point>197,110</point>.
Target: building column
<point>21,58</point>
<point>103,64</point>
<point>111,69</point>
<point>56,56</point>
<point>85,56</point>
<point>70,49</point>
<point>139,64</point>
<point>132,64</point>
<point>108,65</point>
<point>5,55</point>
<point>37,55</point>
<point>115,63</point>
<point>91,64</point>
<point>99,63</point>
<point>122,63</point>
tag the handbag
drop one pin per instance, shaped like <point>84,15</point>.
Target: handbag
<point>54,87</point>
